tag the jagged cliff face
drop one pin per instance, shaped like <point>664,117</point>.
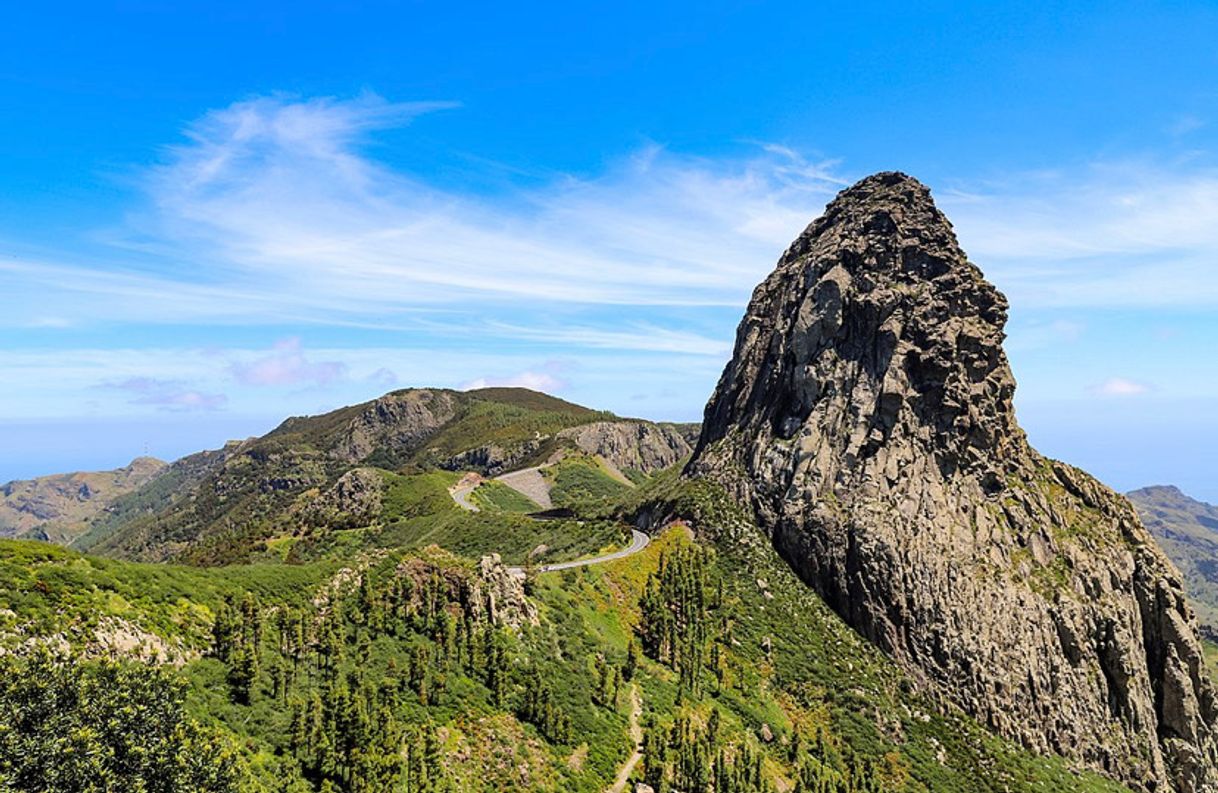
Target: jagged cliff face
<point>867,417</point>
<point>630,445</point>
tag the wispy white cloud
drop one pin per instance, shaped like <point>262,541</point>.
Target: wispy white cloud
<point>1109,235</point>
<point>287,364</point>
<point>1120,387</point>
<point>271,212</point>
<point>550,377</point>
<point>167,394</point>
<point>274,212</point>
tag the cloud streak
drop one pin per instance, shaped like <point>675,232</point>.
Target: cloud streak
<point>1130,234</point>
<point>272,212</point>
<point>287,365</point>
<point>1120,387</point>
<point>171,395</point>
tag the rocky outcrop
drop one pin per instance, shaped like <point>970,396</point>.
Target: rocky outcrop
<point>397,422</point>
<point>60,507</point>
<point>354,500</point>
<point>866,416</point>
<point>625,445</point>
<point>630,445</point>
<point>493,459</point>
<point>503,591</point>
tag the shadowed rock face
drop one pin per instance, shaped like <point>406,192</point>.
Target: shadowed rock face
<point>867,417</point>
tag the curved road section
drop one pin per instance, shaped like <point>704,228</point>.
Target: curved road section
<point>461,494</point>
<point>638,541</point>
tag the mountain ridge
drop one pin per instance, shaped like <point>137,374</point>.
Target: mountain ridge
<point>224,505</point>
<point>61,507</point>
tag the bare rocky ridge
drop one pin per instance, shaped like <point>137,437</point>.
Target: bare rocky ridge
<point>354,500</point>
<point>398,421</point>
<point>867,417</point>
<point>494,458</point>
<point>1187,531</point>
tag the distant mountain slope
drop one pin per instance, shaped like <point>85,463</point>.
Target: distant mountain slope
<point>61,507</point>
<point>219,507</point>
<point>1187,530</point>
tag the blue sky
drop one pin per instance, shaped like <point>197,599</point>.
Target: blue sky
<point>214,215</point>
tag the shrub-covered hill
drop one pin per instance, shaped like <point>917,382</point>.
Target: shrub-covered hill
<point>224,506</point>
<point>61,507</point>
<point>419,669</point>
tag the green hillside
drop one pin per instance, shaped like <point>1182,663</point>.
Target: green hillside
<point>379,665</point>
<point>223,507</point>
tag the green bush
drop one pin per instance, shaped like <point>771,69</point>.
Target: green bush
<point>100,726</point>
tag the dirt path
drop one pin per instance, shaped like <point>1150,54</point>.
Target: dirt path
<point>636,735</point>
<point>529,483</point>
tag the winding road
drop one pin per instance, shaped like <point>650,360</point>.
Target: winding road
<point>461,494</point>
<point>522,481</point>
<point>638,541</point>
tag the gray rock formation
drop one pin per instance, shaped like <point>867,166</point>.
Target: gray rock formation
<point>502,589</point>
<point>866,416</point>
<point>493,458</point>
<point>396,422</point>
<point>637,445</point>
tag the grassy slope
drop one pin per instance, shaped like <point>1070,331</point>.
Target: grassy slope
<point>582,482</point>
<point>504,417</point>
<point>818,675</point>
<point>47,590</point>
<point>418,511</point>
<point>496,496</point>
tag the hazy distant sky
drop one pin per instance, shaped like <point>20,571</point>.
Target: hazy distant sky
<point>214,215</point>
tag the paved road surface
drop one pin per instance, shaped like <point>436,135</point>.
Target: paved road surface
<point>638,541</point>
<point>461,496</point>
